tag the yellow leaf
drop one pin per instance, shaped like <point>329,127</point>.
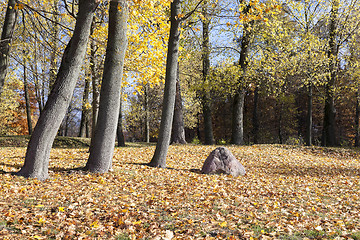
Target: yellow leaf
<point>61,209</point>
<point>95,224</point>
<point>137,223</point>
<point>41,220</point>
<point>223,224</point>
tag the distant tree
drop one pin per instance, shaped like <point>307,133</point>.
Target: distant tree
<point>102,147</point>
<point>38,151</point>
<point>6,38</point>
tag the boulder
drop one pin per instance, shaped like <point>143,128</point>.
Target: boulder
<point>221,160</point>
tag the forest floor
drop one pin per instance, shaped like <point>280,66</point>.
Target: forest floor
<point>288,192</point>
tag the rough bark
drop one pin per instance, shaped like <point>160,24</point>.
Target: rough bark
<point>147,117</point>
<point>84,122</point>
<point>159,158</point>
<point>38,151</point>
<point>329,126</point>
<point>27,99</point>
<point>95,84</point>
<point>5,42</point>
<point>255,117</point>
<point>178,130</point>
<point>206,99</point>
<point>357,116</point>
<point>308,137</point>
<point>237,133</point>
<point>102,148</point>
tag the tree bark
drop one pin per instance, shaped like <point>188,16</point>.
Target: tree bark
<point>84,122</point>
<point>178,131</point>
<point>120,130</point>
<point>237,134</point>
<point>38,151</point>
<point>5,42</point>
<point>308,137</point>
<point>95,84</point>
<point>27,99</point>
<point>329,127</point>
<point>357,116</point>
<point>102,149</point>
<point>255,118</point>
<point>159,158</point>
<point>54,44</point>
<point>147,117</point>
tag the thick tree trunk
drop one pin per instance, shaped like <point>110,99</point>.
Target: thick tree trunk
<point>102,148</point>
<point>27,99</point>
<point>84,122</point>
<point>178,130</point>
<point>255,118</point>
<point>5,42</point>
<point>308,137</point>
<point>329,127</point>
<point>206,99</point>
<point>120,130</point>
<point>357,116</point>
<point>159,158</point>
<point>38,151</point>
<point>237,136</point>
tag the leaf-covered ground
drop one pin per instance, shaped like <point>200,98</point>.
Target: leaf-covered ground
<point>287,193</point>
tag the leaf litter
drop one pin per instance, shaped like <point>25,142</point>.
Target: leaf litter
<point>288,193</point>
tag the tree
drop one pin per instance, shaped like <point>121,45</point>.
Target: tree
<point>102,148</point>
<point>38,151</point>
<point>159,158</point>
<point>6,38</point>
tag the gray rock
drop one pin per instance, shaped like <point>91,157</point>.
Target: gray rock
<point>221,160</point>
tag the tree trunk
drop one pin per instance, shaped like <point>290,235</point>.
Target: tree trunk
<point>357,116</point>
<point>27,99</point>
<point>147,117</point>
<point>255,118</point>
<point>178,131</point>
<point>308,137</point>
<point>95,84</point>
<point>5,42</point>
<point>159,158</point>
<point>329,127</point>
<point>38,151</point>
<point>54,44</point>
<point>237,136</point>
<point>102,149</point>
<point>84,122</point>
<point>280,123</point>
<point>120,130</point>
<point>206,100</point>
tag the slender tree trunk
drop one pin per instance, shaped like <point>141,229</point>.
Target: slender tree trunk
<point>206,100</point>
<point>102,149</point>
<point>120,130</point>
<point>329,127</point>
<point>38,151</point>
<point>5,42</point>
<point>237,134</point>
<point>178,131</point>
<point>159,158</point>
<point>95,86</point>
<point>308,137</point>
<point>280,123</point>
<point>357,116</point>
<point>147,117</point>
<point>36,78</point>
<point>255,118</point>
<point>27,99</point>
<point>84,122</point>
<point>54,44</point>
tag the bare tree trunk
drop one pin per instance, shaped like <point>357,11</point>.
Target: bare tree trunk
<point>329,128</point>
<point>147,117</point>
<point>159,158</point>
<point>54,44</point>
<point>120,130</point>
<point>27,98</point>
<point>255,118</point>
<point>5,42</point>
<point>308,137</point>
<point>84,122</point>
<point>178,131</point>
<point>102,148</point>
<point>357,116</point>
<point>38,151</point>
<point>95,85</point>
